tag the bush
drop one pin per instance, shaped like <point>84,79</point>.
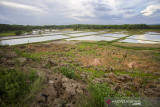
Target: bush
<point>18,32</point>
<point>98,93</point>
<point>14,85</point>
<point>68,72</point>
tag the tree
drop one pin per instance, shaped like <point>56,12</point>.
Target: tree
<point>18,32</point>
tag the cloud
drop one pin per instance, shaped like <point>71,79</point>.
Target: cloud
<point>21,6</point>
<point>151,9</point>
<point>79,11</point>
<point>84,9</point>
<point>5,18</point>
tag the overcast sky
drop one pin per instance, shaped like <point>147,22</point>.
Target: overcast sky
<point>58,12</point>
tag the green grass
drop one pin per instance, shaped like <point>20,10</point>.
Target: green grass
<point>2,56</point>
<point>15,85</point>
<point>86,50</point>
<point>98,43</point>
<point>68,72</point>
<point>135,48</point>
<point>157,55</point>
<point>11,33</point>
<point>138,74</point>
<point>109,43</point>
<point>64,54</point>
<point>33,56</point>
<point>92,73</point>
<point>98,93</point>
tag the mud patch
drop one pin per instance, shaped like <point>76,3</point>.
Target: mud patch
<point>60,91</point>
<point>92,61</point>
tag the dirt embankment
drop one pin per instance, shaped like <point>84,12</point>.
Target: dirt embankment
<point>56,90</point>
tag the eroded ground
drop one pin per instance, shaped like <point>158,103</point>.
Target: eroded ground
<point>69,67</point>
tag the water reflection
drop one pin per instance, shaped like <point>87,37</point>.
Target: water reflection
<point>83,34</point>
<point>113,35</point>
<point>138,41</point>
<point>45,35</point>
<point>51,34</point>
<point>153,33</point>
<point>95,38</point>
<point>30,40</point>
<point>15,37</point>
<point>146,37</point>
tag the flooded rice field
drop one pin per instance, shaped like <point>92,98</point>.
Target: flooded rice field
<point>146,37</point>
<point>31,40</point>
<point>16,37</point>
<point>114,35</point>
<point>93,38</point>
<point>83,34</point>
<point>105,35</point>
<point>138,41</point>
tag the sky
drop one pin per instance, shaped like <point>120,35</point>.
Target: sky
<point>64,12</point>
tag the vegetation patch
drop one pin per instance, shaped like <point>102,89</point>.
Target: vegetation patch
<point>18,32</point>
<point>138,74</point>
<point>15,85</point>
<point>135,48</point>
<point>157,55</point>
<point>9,33</point>
<point>33,56</point>
<point>98,93</point>
<point>68,72</point>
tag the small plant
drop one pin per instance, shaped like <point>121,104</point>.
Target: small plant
<point>48,66</point>
<point>18,32</point>
<point>33,56</point>
<point>14,86</point>
<point>98,93</point>
<point>68,72</point>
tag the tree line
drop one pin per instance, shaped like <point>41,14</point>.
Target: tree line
<point>7,27</point>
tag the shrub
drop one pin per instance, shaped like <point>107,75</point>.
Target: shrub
<point>98,93</point>
<point>18,32</point>
<point>68,72</point>
<point>14,85</point>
